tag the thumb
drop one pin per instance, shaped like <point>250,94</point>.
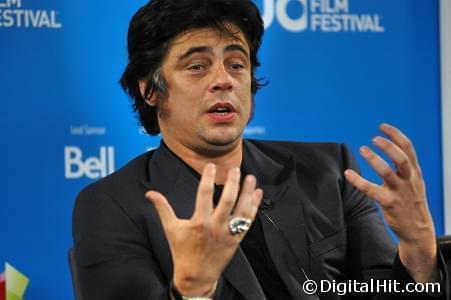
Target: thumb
<point>163,207</point>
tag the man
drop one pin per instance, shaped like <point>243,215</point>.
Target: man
<point>234,218</point>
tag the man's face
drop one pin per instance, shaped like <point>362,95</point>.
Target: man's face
<point>208,105</point>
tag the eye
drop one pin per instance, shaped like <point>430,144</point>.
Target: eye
<point>236,66</point>
<point>196,67</point>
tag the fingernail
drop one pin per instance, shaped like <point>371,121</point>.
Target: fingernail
<point>211,168</point>
<point>364,150</point>
<point>251,179</point>
<point>348,173</point>
<point>260,193</point>
<point>386,126</point>
<point>378,140</point>
<point>234,172</point>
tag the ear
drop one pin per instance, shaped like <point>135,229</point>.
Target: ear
<point>152,100</point>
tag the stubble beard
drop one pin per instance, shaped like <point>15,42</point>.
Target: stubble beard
<point>220,142</point>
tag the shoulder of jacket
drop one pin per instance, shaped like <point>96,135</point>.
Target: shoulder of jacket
<point>128,175</point>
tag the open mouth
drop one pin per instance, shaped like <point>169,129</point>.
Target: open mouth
<point>222,112</point>
<point>221,109</point>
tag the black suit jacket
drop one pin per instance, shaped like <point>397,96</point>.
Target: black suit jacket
<point>314,224</point>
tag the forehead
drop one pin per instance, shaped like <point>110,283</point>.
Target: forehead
<point>206,37</point>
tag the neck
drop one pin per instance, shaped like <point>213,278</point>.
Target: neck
<point>225,158</point>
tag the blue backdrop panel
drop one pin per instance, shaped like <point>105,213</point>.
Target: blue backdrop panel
<point>336,69</point>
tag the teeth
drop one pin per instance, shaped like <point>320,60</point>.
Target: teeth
<point>222,110</point>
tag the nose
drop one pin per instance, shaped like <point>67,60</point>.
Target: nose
<point>222,80</point>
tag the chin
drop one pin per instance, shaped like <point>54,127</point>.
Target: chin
<point>222,141</point>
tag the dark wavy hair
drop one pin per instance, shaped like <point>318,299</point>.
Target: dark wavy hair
<point>159,22</point>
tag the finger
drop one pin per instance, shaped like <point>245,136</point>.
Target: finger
<point>205,191</point>
<point>381,167</point>
<point>244,204</point>
<point>400,139</point>
<point>254,203</point>
<point>228,196</point>
<point>164,209</point>
<point>396,154</point>
<point>257,197</point>
<point>372,190</point>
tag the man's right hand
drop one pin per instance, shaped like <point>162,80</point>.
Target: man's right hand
<point>202,246</point>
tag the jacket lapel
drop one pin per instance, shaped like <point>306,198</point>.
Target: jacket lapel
<point>282,216</point>
<point>240,274</point>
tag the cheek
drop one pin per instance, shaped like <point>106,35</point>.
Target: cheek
<point>246,96</point>
<point>184,112</point>
<point>245,88</point>
<point>163,109</point>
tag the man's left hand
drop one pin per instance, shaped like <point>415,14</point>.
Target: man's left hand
<point>403,201</point>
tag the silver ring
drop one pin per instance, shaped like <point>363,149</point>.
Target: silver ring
<point>239,225</point>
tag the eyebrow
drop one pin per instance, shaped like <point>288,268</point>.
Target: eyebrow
<point>236,47</point>
<point>193,50</point>
<point>206,49</point>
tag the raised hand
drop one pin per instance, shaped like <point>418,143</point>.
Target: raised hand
<point>403,201</point>
<point>202,246</point>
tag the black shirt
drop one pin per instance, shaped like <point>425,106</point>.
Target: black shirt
<point>256,251</point>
